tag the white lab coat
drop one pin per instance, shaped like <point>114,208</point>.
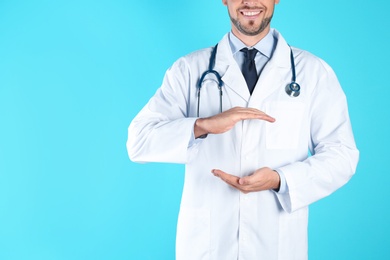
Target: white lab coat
<point>215,220</point>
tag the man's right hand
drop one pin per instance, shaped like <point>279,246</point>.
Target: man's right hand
<point>226,120</point>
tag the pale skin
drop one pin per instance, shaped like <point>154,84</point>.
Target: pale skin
<point>247,20</point>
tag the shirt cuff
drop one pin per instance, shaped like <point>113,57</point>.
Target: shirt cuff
<point>283,184</point>
<point>194,140</point>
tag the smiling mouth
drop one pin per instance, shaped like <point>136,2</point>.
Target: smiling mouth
<point>250,13</point>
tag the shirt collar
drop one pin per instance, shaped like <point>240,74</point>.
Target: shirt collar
<point>266,45</point>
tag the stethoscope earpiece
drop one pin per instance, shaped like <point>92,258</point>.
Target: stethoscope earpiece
<point>293,89</point>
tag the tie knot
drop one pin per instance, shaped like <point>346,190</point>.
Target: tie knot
<point>249,53</point>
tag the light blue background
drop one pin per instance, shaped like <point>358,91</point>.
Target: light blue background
<point>74,73</point>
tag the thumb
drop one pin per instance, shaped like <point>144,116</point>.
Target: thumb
<point>245,180</point>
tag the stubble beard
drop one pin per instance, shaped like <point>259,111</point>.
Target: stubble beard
<point>251,30</point>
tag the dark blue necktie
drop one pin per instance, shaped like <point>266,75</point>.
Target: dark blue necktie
<point>249,68</point>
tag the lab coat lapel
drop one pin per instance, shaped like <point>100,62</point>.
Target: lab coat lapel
<point>273,76</point>
<point>230,71</point>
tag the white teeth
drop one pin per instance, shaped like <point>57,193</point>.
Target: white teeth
<point>251,13</point>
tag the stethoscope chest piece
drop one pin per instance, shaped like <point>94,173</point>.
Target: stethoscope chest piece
<point>293,89</point>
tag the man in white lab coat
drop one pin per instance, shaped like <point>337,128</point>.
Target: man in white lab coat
<point>249,179</point>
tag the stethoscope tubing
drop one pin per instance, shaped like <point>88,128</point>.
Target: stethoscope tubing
<point>292,89</point>
<point>217,75</point>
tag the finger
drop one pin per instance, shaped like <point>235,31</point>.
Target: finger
<point>233,181</point>
<point>267,118</point>
<point>223,175</point>
<point>253,113</point>
<point>228,178</point>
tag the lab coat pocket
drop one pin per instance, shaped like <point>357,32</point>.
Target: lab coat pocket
<point>193,234</point>
<point>293,235</point>
<point>284,133</point>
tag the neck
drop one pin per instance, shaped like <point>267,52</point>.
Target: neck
<point>249,40</point>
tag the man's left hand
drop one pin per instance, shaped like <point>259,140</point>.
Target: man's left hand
<point>262,179</point>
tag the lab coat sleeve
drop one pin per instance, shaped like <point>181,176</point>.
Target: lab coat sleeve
<point>161,132</point>
<point>332,144</point>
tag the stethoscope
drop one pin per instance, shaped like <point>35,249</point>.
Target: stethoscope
<point>293,89</point>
